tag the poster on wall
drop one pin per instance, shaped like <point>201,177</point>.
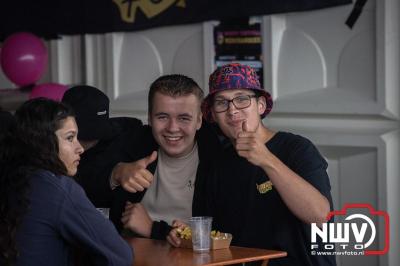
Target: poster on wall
<point>241,43</point>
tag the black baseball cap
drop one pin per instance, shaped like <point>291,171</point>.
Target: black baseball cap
<point>91,107</point>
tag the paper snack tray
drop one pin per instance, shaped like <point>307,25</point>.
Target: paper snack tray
<point>220,242</point>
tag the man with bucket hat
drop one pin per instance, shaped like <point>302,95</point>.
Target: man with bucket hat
<point>103,138</point>
<point>268,186</point>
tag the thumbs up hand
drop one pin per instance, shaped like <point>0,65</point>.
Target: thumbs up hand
<point>251,146</point>
<point>245,126</point>
<point>134,176</point>
<point>147,160</point>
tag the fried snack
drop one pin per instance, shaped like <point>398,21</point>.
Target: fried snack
<point>219,240</point>
<point>186,233</point>
<point>217,234</point>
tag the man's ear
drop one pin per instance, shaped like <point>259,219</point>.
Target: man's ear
<point>200,120</point>
<point>261,105</point>
<point>149,119</point>
<point>213,116</point>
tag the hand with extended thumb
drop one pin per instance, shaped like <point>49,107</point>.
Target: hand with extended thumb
<point>134,176</point>
<point>245,129</point>
<point>148,159</point>
<point>245,126</point>
<point>249,145</point>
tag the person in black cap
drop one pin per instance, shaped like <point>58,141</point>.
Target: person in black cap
<point>92,110</point>
<point>103,139</point>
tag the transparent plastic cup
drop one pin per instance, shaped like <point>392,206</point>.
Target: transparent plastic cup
<point>201,231</point>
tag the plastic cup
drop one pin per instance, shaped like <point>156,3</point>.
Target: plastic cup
<point>201,233</point>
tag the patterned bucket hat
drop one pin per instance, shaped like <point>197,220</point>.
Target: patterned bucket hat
<point>230,77</point>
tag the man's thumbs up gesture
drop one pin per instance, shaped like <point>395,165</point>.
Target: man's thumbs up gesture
<point>251,146</point>
<point>134,176</point>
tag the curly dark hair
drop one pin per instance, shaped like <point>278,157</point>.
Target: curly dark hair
<point>32,145</point>
<point>174,85</point>
<point>7,122</point>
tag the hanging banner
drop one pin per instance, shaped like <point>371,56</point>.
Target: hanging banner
<point>49,18</point>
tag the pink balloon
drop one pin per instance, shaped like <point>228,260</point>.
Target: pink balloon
<point>23,58</point>
<point>52,91</point>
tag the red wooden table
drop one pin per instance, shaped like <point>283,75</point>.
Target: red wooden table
<point>149,252</point>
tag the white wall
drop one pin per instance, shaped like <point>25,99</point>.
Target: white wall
<point>335,85</point>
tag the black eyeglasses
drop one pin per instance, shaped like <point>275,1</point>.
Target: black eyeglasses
<point>240,102</point>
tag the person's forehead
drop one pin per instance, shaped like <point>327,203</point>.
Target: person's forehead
<point>232,93</point>
<point>184,103</point>
<point>182,98</point>
<point>67,124</point>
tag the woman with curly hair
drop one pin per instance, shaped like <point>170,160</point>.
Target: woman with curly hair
<point>44,214</point>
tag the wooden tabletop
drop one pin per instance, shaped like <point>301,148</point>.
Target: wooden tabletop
<point>150,252</point>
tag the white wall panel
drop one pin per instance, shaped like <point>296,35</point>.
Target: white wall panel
<point>320,66</point>
<point>300,65</point>
<point>138,63</point>
<point>127,63</point>
<point>65,60</point>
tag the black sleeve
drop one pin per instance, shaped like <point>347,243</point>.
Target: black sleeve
<point>98,162</point>
<point>93,175</point>
<point>160,230</point>
<point>307,162</point>
<point>210,148</point>
<point>141,145</point>
<point>96,166</point>
<point>119,199</point>
<point>125,124</point>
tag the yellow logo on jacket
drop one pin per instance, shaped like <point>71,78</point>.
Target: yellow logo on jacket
<point>264,187</point>
<point>150,8</point>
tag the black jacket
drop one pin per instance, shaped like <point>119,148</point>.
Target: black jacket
<point>97,163</point>
<point>207,143</point>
